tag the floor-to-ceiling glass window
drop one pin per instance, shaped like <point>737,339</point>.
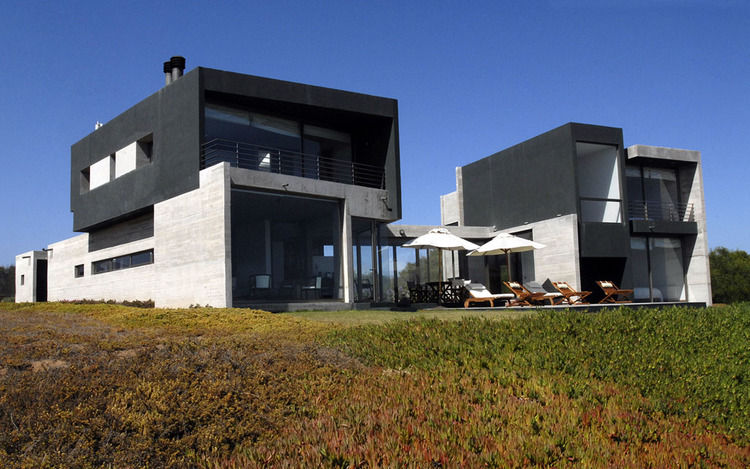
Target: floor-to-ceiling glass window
<point>334,154</point>
<point>639,267</point>
<point>285,247</point>
<point>657,266</point>
<point>362,259</point>
<point>667,273</point>
<point>406,269</point>
<point>386,266</point>
<point>263,142</point>
<point>654,194</point>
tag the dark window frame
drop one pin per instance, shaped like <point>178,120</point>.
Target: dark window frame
<point>78,271</point>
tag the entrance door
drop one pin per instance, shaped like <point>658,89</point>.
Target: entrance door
<point>41,280</point>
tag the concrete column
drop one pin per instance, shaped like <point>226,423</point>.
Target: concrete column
<point>346,254</point>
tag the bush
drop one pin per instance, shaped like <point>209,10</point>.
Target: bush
<point>730,275</point>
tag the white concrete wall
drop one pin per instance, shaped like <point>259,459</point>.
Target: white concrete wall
<point>26,269</point>
<point>100,172</point>
<point>192,259</point>
<point>193,246</point>
<point>449,210</point>
<point>698,272</point>
<point>559,260</point>
<point>135,283</point>
<point>125,159</point>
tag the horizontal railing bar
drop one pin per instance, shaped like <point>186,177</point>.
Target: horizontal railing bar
<point>230,145</point>
<point>654,210</point>
<point>280,161</point>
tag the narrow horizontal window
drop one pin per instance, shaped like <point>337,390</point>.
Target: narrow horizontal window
<point>123,262</point>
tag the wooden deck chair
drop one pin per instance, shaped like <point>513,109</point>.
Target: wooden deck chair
<point>612,292</point>
<point>523,296</point>
<point>571,296</point>
<point>478,293</point>
<point>541,295</point>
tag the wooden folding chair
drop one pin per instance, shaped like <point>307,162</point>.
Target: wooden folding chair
<point>612,292</point>
<point>571,296</point>
<point>523,296</point>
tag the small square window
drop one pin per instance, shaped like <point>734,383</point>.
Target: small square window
<point>78,270</point>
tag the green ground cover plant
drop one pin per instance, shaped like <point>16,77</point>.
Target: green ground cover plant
<point>112,386</point>
<point>689,361</point>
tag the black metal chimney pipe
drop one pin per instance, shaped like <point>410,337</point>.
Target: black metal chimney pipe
<point>178,66</point>
<point>167,72</point>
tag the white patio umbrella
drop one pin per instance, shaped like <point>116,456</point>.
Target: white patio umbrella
<point>441,238</point>
<point>505,243</point>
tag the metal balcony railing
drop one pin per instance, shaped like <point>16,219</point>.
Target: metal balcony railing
<point>275,160</point>
<point>647,210</point>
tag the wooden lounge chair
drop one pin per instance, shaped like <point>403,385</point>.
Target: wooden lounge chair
<point>571,296</point>
<point>612,292</point>
<point>541,295</point>
<point>523,296</point>
<point>478,293</point>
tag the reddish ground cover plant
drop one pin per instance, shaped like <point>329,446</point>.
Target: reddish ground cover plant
<point>106,385</point>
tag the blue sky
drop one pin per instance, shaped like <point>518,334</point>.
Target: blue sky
<point>471,78</point>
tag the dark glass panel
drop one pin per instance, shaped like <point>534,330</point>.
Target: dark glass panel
<point>141,258</point>
<point>295,240</point>
<point>119,263</point>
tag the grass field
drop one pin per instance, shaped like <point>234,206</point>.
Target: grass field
<point>106,385</point>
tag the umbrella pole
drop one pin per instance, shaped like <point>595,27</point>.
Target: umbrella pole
<point>440,275</point>
<point>507,264</point>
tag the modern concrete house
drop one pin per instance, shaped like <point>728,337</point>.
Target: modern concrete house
<point>226,189</point>
<point>634,215</point>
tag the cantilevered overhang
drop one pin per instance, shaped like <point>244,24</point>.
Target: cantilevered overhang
<point>664,154</point>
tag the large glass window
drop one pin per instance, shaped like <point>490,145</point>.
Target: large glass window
<point>639,267</point>
<point>654,194</point>
<point>334,152</point>
<point>657,267</point>
<point>285,247</point>
<point>264,142</point>
<point>362,255</point>
<point>599,183</point>
<point>666,268</point>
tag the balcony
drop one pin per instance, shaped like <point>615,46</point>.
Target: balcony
<point>275,160</point>
<point>660,211</point>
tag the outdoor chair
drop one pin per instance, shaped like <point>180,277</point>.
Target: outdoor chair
<point>415,292</point>
<point>541,295</point>
<point>570,295</point>
<point>612,293</point>
<point>478,293</point>
<point>313,287</point>
<point>260,285</point>
<point>523,297</point>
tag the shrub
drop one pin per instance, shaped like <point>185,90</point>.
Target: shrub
<point>730,271</point>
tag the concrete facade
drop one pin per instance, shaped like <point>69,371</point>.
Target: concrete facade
<point>27,275</point>
<point>569,187</point>
<point>191,254</point>
<point>193,246</point>
<point>136,283</point>
<point>142,185</point>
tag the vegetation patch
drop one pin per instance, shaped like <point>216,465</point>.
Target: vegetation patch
<point>107,385</point>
